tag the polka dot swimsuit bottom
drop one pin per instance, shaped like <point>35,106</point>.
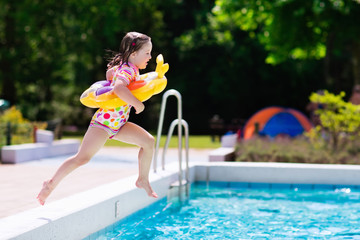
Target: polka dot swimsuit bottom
<point>111,120</point>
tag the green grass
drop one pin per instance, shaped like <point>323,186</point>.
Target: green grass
<point>203,141</point>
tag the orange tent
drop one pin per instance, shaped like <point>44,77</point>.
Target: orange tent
<point>276,120</point>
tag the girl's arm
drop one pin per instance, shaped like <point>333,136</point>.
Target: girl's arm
<point>110,73</point>
<point>124,93</point>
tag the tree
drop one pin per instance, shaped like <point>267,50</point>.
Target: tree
<point>340,120</point>
<point>50,51</point>
<point>223,70</point>
<point>317,29</point>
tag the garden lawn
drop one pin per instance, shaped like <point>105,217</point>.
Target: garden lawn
<point>195,141</point>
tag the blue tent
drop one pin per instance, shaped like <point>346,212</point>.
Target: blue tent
<point>282,123</point>
<point>274,120</point>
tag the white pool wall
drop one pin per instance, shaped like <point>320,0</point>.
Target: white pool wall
<point>80,215</point>
<point>257,172</point>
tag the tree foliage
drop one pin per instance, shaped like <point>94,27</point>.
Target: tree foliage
<point>218,51</point>
<point>340,120</point>
<point>51,50</point>
<point>227,70</point>
<point>296,29</point>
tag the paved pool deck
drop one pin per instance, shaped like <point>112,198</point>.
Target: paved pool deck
<point>20,183</point>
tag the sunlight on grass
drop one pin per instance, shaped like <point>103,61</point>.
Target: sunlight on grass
<point>203,141</point>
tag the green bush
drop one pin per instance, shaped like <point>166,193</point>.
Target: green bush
<point>21,129</point>
<point>336,140</point>
<point>340,122</point>
<point>297,150</point>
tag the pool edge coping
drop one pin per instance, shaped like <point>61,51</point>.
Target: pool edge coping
<point>51,220</point>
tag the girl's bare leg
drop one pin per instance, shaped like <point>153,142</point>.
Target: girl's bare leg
<point>93,140</point>
<point>134,134</point>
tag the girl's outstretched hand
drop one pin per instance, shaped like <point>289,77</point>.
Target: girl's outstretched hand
<point>139,108</point>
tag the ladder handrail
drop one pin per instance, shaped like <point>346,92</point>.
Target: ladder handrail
<point>170,133</point>
<point>171,92</point>
<point>171,130</point>
<point>180,123</point>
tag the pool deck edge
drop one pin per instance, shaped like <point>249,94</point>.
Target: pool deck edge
<point>82,214</point>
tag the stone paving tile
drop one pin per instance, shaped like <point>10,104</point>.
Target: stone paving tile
<point>20,183</point>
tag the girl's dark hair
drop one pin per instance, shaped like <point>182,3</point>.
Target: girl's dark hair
<point>132,42</point>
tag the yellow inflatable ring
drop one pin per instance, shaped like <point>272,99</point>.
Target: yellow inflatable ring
<point>101,94</point>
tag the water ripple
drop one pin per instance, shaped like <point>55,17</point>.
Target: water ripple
<point>248,214</point>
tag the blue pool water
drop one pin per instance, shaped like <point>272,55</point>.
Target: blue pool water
<point>295,212</point>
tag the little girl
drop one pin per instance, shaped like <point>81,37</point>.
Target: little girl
<point>135,53</point>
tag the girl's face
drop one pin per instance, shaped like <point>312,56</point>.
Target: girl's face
<point>141,57</point>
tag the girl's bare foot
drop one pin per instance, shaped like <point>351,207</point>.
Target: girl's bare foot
<point>45,192</point>
<point>146,186</point>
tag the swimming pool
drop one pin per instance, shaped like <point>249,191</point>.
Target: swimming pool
<point>82,214</point>
<point>247,211</point>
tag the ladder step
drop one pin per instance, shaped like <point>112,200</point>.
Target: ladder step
<point>176,184</point>
<point>177,192</point>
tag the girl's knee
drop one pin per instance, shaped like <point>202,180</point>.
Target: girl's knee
<point>149,142</point>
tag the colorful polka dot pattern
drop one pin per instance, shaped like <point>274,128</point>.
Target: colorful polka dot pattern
<point>112,118</point>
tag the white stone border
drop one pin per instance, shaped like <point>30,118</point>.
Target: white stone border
<point>33,151</point>
<point>80,215</point>
<point>257,172</point>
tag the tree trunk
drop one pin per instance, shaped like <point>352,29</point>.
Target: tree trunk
<point>327,60</point>
<point>8,90</point>
<point>335,141</point>
<point>356,63</point>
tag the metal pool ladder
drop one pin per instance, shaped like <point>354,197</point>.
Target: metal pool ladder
<point>180,123</point>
